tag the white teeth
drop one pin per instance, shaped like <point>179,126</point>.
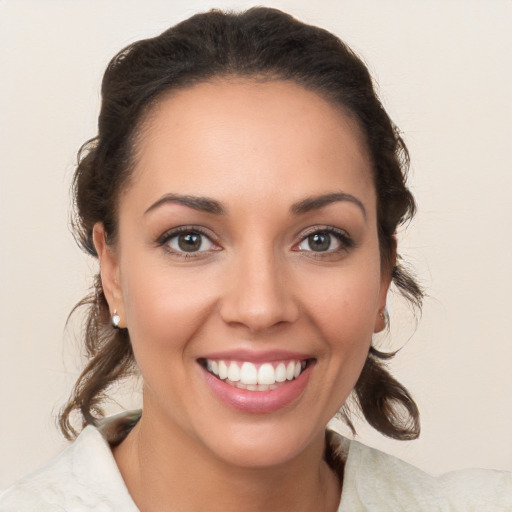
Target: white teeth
<point>290,370</point>
<point>266,374</point>
<point>234,372</point>
<point>249,376</point>
<point>223,370</point>
<point>280,372</point>
<point>255,387</point>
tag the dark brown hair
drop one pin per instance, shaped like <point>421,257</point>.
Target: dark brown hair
<point>260,43</point>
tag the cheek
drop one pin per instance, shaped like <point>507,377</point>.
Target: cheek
<point>165,306</point>
<point>347,327</point>
<point>344,308</point>
<point>165,310</point>
<point>346,303</point>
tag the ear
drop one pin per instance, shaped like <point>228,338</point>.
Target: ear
<point>387,266</point>
<point>109,271</point>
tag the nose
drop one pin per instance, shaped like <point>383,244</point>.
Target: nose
<point>259,294</point>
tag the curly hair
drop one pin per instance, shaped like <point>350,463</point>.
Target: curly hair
<point>260,43</point>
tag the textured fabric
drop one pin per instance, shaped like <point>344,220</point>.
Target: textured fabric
<point>375,481</point>
<point>85,478</point>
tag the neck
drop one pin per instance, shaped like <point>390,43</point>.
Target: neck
<point>167,471</point>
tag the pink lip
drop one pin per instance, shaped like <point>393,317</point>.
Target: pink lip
<point>257,357</point>
<point>257,401</point>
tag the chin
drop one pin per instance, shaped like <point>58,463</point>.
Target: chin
<point>263,446</point>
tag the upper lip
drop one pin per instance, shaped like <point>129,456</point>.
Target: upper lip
<point>257,356</point>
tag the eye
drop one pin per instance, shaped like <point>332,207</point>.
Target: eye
<point>187,241</point>
<point>325,240</point>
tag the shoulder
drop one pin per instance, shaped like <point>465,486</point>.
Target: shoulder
<point>84,477</point>
<point>376,481</point>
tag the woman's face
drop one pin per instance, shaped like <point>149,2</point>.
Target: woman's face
<point>247,267</point>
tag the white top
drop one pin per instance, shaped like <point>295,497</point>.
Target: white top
<point>85,478</point>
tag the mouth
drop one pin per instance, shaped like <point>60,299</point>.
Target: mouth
<point>264,376</point>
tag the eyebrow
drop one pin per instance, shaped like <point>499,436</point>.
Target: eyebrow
<point>203,204</point>
<point>317,202</point>
<point>208,205</point>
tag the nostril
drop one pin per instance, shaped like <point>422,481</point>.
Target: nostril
<point>257,295</point>
<point>257,314</point>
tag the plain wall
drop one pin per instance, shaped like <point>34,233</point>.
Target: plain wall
<point>444,70</point>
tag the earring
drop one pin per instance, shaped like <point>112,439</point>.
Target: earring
<point>115,319</point>
<point>383,316</point>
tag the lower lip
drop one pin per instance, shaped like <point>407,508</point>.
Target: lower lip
<point>258,401</point>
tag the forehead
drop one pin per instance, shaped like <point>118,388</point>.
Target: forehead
<point>256,138</point>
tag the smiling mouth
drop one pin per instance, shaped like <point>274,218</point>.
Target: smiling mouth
<point>255,377</point>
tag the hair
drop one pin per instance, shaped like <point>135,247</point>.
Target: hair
<point>260,43</point>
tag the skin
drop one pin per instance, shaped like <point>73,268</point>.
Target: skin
<point>257,148</point>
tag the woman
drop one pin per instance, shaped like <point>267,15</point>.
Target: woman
<point>242,196</point>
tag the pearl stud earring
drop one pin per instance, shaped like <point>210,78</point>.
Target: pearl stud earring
<point>115,319</point>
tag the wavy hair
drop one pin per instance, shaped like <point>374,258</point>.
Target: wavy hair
<point>260,43</point>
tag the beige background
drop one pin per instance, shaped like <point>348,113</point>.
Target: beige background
<point>445,74</point>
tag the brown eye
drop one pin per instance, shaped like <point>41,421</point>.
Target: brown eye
<point>190,241</point>
<point>325,240</point>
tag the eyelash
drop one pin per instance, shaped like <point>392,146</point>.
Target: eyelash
<point>166,237</point>
<point>346,242</point>
<point>341,236</point>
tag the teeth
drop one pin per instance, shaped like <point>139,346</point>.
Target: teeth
<point>249,376</point>
<point>290,371</point>
<point>234,372</point>
<point>223,370</point>
<point>212,367</point>
<point>266,374</point>
<point>280,372</point>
